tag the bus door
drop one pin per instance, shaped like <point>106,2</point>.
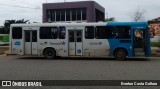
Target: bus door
<point>139,38</point>
<point>30,42</point>
<point>75,42</point>
<point>140,42</point>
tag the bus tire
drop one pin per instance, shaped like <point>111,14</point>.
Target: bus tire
<point>120,54</point>
<point>49,53</point>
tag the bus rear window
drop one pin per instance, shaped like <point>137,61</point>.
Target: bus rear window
<point>17,32</point>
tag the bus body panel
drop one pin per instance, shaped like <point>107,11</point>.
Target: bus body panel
<point>59,45</point>
<point>17,46</point>
<point>115,43</point>
<point>96,47</point>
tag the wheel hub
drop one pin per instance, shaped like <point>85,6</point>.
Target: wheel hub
<point>49,53</point>
<point>119,54</point>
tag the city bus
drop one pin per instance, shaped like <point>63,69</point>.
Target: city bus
<point>99,39</point>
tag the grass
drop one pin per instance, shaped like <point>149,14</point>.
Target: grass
<point>155,44</point>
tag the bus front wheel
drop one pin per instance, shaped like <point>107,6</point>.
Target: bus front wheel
<point>120,54</point>
<point>49,53</point>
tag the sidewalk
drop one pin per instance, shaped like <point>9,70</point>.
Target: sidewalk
<point>3,49</point>
<point>155,51</point>
<point>2,55</point>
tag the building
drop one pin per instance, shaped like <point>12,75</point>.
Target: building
<point>87,11</point>
<point>155,19</point>
<point>155,27</point>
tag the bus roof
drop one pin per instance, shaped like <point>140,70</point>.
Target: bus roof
<point>81,24</point>
<point>128,23</point>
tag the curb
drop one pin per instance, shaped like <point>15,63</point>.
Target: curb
<point>2,55</point>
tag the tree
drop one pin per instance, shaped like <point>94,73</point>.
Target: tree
<point>7,24</point>
<point>2,30</point>
<point>138,15</point>
<point>110,19</point>
<point>22,21</point>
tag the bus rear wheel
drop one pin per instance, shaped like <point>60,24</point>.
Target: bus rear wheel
<point>120,54</point>
<point>49,53</point>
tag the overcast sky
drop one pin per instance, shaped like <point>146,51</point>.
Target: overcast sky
<point>122,10</point>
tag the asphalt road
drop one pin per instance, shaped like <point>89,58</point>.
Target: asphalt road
<point>38,68</point>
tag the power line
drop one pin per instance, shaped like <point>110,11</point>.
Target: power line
<point>19,6</point>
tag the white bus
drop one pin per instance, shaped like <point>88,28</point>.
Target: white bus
<point>78,39</point>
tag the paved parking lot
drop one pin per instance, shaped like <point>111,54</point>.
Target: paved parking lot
<point>38,68</point>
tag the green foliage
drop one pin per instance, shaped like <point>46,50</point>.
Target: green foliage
<point>4,38</point>
<point>155,44</point>
<point>2,30</point>
<point>5,29</point>
<point>110,19</point>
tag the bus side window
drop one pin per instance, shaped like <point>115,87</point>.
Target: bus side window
<point>62,32</point>
<point>48,33</point>
<point>27,36</point>
<point>17,32</point>
<point>109,32</point>
<point>54,32</point>
<point>34,36</point>
<point>71,36</point>
<point>79,36</point>
<point>123,32</point>
<point>89,32</point>
<point>104,32</point>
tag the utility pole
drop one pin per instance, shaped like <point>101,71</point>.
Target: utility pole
<point>46,1</point>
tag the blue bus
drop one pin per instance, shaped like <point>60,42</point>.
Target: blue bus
<point>99,39</point>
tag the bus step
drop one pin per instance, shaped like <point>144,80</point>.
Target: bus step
<point>138,50</point>
<point>140,53</point>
